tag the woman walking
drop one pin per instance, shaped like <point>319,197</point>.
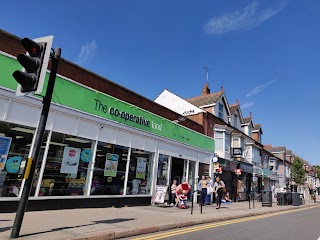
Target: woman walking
<point>218,189</point>
<point>203,188</point>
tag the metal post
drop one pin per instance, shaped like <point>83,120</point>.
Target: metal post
<point>249,201</point>
<point>32,162</point>
<point>253,200</point>
<point>192,203</point>
<point>201,202</point>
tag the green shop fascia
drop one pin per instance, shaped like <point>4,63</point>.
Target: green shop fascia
<point>75,96</point>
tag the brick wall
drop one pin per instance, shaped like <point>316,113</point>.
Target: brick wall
<point>11,45</point>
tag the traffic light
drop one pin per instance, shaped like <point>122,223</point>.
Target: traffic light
<point>34,63</point>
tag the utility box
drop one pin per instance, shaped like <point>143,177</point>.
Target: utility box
<point>266,198</point>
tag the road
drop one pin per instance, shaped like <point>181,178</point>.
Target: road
<point>294,224</point>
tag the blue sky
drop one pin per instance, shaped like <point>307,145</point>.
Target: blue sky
<point>264,53</point>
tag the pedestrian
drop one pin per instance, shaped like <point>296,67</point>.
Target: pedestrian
<point>210,188</point>
<point>218,188</point>
<point>173,192</point>
<point>203,188</point>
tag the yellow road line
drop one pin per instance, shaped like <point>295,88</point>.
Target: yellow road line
<point>217,224</point>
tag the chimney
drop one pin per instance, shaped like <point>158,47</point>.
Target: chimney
<point>206,89</point>
<point>222,89</point>
<point>250,114</point>
<point>237,101</point>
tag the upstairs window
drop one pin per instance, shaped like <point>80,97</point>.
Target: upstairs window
<point>221,110</point>
<point>235,123</point>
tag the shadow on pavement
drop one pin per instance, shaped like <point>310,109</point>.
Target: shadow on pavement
<point>110,221</point>
<point>5,229</point>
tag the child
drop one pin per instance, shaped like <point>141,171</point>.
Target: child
<point>173,192</point>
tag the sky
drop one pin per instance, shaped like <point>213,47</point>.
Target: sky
<point>264,53</point>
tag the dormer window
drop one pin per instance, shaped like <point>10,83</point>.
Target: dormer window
<point>221,110</point>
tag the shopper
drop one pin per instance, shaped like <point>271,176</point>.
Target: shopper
<point>173,192</point>
<point>219,188</point>
<point>203,188</point>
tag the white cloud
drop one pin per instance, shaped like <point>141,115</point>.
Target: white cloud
<point>250,17</point>
<point>259,89</point>
<point>247,105</point>
<point>87,53</point>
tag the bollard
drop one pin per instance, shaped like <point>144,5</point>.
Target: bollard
<point>253,200</point>
<point>193,200</point>
<point>249,200</point>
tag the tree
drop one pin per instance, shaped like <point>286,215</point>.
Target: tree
<point>318,171</point>
<point>298,171</point>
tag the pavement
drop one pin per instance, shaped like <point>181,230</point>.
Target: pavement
<point>114,223</point>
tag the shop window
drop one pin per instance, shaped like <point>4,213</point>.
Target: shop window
<point>227,142</point>
<point>140,172</point>
<point>236,143</point>
<point>203,170</point>
<point>109,169</point>
<point>163,165</point>
<point>65,171</point>
<point>15,143</point>
<point>220,110</point>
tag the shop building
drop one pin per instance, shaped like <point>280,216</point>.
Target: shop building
<point>104,145</point>
<point>234,144</point>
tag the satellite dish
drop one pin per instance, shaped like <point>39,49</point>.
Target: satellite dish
<point>214,159</point>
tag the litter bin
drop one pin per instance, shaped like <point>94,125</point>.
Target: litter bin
<point>281,199</point>
<point>266,198</point>
<point>296,199</point>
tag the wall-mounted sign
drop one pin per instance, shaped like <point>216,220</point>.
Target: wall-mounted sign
<point>214,159</point>
<point>245,167</point>
<point>237,151</point>
<point>216,165</point>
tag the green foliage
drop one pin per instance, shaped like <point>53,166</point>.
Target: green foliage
<point>318,171</point>
<point>298,171</point>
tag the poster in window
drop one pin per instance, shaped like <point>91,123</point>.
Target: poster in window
<point>4,150</point>
<point>141,168</point>
<point>70,160</point>
<point>13,164</point>
<point>111,165</point>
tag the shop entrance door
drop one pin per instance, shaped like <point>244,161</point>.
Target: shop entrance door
<point>177,170</point>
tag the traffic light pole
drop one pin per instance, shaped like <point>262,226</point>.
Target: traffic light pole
<point>32,162</point>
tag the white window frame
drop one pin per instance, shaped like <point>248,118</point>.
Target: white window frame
<point>220,113</point>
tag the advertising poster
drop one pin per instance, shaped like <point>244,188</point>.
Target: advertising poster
<point>3,175</point>
<point>4,150</point>
<point>86,155</point>
<point>13,164</point>
<point>111,165</point>
<point>141,168</point>
<point>70,160</point>
<point>160,194</point>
